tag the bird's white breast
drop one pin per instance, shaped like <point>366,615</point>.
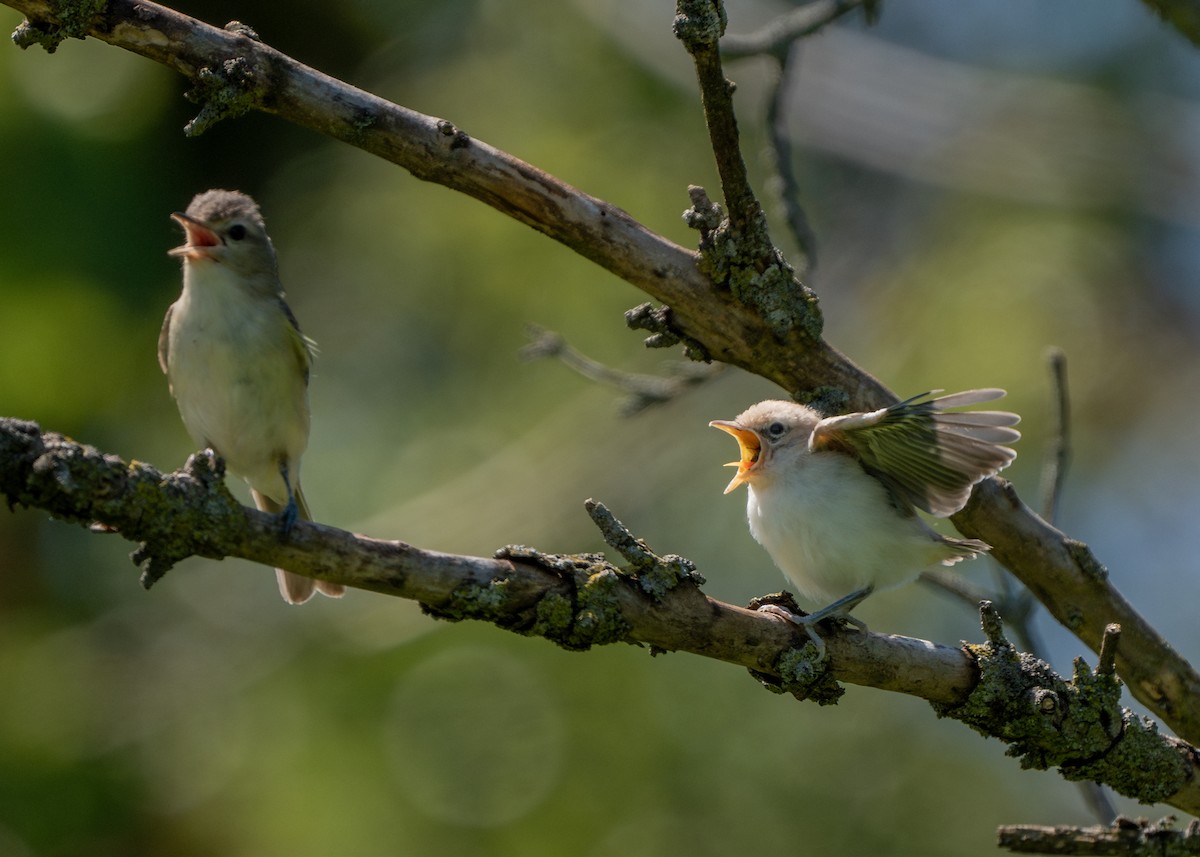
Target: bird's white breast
<point>233,371</point>
<point>831,529</point>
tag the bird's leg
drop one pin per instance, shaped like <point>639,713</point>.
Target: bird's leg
<point>839,609</point>
<point>290,512</point>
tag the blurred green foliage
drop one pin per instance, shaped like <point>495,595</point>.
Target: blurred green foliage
<point>206,717</point>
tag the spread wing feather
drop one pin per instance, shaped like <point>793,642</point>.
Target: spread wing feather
<point>928,458</point>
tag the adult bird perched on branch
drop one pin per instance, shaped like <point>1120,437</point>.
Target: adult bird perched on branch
<point>237,363</point>
<point>833,499</point>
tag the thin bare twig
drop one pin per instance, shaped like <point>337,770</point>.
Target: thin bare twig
<point>786,29</point>
<point>1058,453</point>
<point>787,186</point>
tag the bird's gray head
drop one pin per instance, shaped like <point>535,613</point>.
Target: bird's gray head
<point>225,227</point>
<point>766,432</point>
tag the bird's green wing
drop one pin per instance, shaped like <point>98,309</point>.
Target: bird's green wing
<point>164,340</point>
<point>927,457</point>
<point>304,348</point>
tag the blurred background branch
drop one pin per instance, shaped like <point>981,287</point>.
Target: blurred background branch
<point>787,185</point>
<point>779,36</point>
<point>1183,15</point>
<point>642,391</point>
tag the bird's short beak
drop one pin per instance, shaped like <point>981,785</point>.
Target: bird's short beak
<point>750,445</point>
<point>198,237</point>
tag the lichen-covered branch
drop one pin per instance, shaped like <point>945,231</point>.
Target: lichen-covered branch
<point>703,310</point>
<point>1074,586</point>
<point>583,600</point>
<point>1077,726</point>
<point>655,601</point>
<point>1125,837</point>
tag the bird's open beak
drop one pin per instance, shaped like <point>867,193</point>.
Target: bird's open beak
<point>750,446</point>
<point>198,237</point>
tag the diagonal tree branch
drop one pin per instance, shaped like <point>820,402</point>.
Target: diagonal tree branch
<point>235,72</point>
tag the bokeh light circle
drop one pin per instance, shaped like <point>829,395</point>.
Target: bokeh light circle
<point>475,737</point>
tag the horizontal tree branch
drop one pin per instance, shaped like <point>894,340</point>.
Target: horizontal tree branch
<point>1123,838</point>
<point>233,72</point>
<point>190,512</point>
<point>581,600</point>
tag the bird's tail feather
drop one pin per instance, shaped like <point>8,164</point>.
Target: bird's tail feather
<point>295,588</point>
<point>963,549</point>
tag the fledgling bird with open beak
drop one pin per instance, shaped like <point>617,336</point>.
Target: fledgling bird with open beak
<point>237,363</point>
<point>833,499</point>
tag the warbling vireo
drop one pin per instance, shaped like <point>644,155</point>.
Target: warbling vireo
<point>832,500</point>
<point>237,363</point>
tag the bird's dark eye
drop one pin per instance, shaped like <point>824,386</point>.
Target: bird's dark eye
<point>237,232</point>
<point>776,429</point>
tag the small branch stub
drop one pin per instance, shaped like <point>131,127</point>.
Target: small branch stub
<point>744,262</point>
<point>226,92</point>
<point>993,625</point>
<point>663,332</point>
<point>458,139</point>
<point>656,575</point>
<point>1106,666</point>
